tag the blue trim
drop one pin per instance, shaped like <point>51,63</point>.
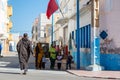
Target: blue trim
<point>72,34</point>
<point>83,37</point>
<point>89,36</point>
<point>80,37</point>
<point>86,44</point>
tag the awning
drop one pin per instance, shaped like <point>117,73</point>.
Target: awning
<point>3,37</point>
<point>62,20</point>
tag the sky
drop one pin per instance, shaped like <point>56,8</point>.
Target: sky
<point>24,14</point>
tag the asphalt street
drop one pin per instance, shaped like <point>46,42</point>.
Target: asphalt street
<point>9,70</point>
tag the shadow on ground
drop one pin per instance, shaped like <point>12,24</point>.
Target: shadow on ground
<point>13,62</point>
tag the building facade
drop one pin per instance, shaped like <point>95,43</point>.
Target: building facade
<point>107,31</point>
<point>5,24</point>
<point>13,42</point>
<point>41,30</point>
<point>34,31</point>
<point>107,24</point>
<point>38,29</point>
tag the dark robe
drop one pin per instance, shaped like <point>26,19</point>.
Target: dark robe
<point>24,49</point>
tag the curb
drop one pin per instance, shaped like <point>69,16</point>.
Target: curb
<point>91,77</point>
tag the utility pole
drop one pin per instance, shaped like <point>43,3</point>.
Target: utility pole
<point>78,35</point>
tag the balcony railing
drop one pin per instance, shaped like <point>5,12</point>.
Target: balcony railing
<point>10,37</point>
<point>9,24</point>
<point>9,11</point>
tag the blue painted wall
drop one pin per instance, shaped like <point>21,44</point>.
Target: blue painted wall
<point>108,61</point>
<point>85,59</point>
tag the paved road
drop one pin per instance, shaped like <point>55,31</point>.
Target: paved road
<point>14,74</point>
<point>9,70</point>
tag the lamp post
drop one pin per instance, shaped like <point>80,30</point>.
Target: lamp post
<point>78,35</point>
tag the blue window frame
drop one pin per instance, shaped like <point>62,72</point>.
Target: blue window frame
<point>72,34</point>
<point>85,36</point>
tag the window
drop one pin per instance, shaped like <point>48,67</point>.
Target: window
<point>85,36</point>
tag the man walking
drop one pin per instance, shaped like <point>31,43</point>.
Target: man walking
<point>24,48</point>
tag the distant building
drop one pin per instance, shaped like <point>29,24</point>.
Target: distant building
<point>43,21</point>
<point>41,30</point>
<point>5,24</point>
<point>34,31</point>
<point>14,41</point>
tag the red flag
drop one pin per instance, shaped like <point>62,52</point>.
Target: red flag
<point>52,7</point>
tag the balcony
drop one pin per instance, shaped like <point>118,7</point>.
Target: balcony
<point>10,37</point>
<point>9,11</point>
<point>9,25</point>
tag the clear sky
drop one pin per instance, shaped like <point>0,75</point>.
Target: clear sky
<point>24,14</point>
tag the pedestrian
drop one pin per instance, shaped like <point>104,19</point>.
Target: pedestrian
<point>52,52</point>
<point>57,49</point>
<point>1,49</point>
<point>69,60</point>
<point>59,60</point>
<point>62,51</point>
<point>24,48</point>
<point>43,61</point>
<point>38,55</point>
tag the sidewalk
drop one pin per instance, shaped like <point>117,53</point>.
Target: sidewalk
<point>93,74</point>
<point>96,74</point>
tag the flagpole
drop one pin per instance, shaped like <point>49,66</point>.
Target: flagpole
<point>60,9</point>
<point>52,7</point>
<point>52,30</point>
<point>78,36</point>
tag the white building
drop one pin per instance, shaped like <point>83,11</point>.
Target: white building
<point>43,21</point>
<point>3,19</point>
<point>3,24</point>
<point>42,28</point>
<point>38,29</point>
<point>108,22</point>
<point>35,31</point>
<point>68,23</point>
<point>14,41</point>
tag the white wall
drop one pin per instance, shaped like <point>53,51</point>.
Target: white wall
<point>3,16</point>
<point>110,19</point>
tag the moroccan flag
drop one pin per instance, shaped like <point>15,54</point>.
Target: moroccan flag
<point>52,7</point>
